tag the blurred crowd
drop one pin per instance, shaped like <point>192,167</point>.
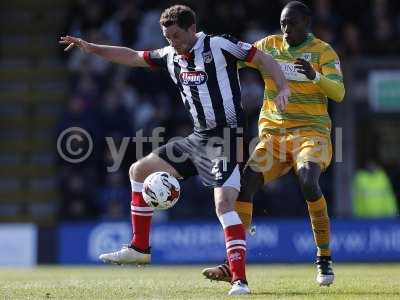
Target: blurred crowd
<point>115,101</point>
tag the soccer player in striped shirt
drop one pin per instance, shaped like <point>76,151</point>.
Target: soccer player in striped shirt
<point>296,135</point>
<point>204,68</point>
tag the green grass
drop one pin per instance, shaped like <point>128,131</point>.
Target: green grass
<point>156,282</point>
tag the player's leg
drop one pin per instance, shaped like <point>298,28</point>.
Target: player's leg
<point>138,251</point>
<point>265,164</point>
<point>235,236</point>
<point>141,213</point>
<point>217,160</point>
<point>168,158</point>
<point>261,168</point>
<point>313,157</point>
<point>317,208</point>
<point>251,182</point>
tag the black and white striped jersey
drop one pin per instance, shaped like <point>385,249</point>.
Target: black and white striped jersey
<point>207,78</point>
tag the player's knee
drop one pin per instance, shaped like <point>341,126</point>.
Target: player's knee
<point>140,169</point>
<point>134,170</point>
<point>224,205</point>
<point>309,185</point>
<point>251,182</point>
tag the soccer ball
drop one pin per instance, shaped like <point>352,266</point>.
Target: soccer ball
<point>161,190</point>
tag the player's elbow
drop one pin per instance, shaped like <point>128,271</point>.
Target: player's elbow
<point>340,96</point>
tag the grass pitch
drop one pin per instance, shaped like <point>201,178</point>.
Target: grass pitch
<point>160,282</point>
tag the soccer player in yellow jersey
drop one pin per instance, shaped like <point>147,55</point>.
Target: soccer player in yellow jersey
<point>295,134</point>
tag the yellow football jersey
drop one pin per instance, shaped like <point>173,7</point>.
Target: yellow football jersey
<point>307,107</point>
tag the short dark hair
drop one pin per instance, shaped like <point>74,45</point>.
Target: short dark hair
<point>299,7</point>
<point>181,15</point>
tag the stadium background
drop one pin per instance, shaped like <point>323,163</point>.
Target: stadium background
<point>60,209</point>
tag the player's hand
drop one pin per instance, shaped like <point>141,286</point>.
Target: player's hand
<point>304,67</point>
<point>72,42</point>
<point>282,99</point>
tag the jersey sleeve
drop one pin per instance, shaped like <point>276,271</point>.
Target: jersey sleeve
<point>240,50</point>
<point>156,58</point>
<point>331,80</point>
<point>330,65</point>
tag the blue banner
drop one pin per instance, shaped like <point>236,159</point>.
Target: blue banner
<point>280,241</point>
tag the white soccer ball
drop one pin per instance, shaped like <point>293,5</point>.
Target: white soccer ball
<point>161,190</point>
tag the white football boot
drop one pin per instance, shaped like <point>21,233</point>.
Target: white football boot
<point>325,275</point>
<point>126,255</point>
<point>239,287</point>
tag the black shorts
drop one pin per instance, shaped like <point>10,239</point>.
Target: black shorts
<point>216,156</point>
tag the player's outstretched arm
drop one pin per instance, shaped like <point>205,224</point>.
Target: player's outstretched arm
<point>267,64</point>
<point>120,55</point>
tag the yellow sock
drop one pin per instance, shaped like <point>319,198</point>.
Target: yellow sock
<point>245,212</point>
<point>320,225</point>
